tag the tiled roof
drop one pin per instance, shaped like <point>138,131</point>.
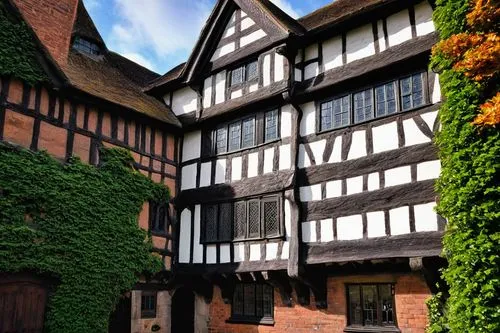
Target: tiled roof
<point>101,78</point>
<point>337,12</point>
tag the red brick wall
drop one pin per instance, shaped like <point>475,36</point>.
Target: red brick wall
<point>411,312</point>
<point>44,121</point>
<point>52,21</point>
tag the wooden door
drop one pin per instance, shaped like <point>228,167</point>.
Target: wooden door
<point>183,311</point>
<point>22,304</point>
<point>120,320</point>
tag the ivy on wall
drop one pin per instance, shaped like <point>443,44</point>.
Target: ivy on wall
<point>469,185</point>
<point>17,50</point>
<point>77,223</point>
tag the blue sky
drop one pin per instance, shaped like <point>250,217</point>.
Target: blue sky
<point>159,34</point>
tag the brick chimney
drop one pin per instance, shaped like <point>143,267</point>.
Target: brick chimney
<point>52,21</point>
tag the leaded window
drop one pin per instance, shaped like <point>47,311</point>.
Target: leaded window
<point>270,214</point>
<point>248,138</point>
<point>245,73</point>
<point>237,75</point>
<point>158,217</point>
<point>246,219</point>
<point>221,140</point>
<point>398,95</point>
<point>271,126</point>
<point>225,221</point>
<point>148,304</point>
<point>240,219</point>
<point>252,302</point>
<point>371,305</point>
<point>411,90</point>
<point>86,46</point>
<point>242,133</point>
<point>235,136</point>
<point>252,70</point>
<point>363,106</point>
<point>254,219</point>
<point>385,96</point>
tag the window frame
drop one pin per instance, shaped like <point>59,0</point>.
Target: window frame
<point>86,46</point>
<point>398,100</point>
<point>262,224</point>
<point>149,313</point>
<point>259,138</point>
<point>361,328</point>
<point>244,75</point>
<point>248,319</point>
<point>154,218</point>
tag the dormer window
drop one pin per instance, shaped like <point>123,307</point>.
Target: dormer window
<point>86,46</point>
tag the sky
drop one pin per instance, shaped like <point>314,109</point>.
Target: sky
<point>160,34</point>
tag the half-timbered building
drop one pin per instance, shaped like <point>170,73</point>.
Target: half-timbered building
<point>300,154</point>
<point>307,168</point>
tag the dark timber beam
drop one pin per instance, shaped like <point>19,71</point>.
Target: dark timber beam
<point>280,281</point>
<point>303,292</point>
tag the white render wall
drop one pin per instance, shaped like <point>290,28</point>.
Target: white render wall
<point>184,101</point>
<point>360,41</point>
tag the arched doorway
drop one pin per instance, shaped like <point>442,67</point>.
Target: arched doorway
<point>183,311</point>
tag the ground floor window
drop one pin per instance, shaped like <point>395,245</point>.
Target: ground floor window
<point>148,304</point>
<point>253,303</point>
<point>371,305</point>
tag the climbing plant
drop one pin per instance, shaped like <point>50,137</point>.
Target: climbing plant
<point>77,223</point>
<point>17,50</point>
<point>468,59</point>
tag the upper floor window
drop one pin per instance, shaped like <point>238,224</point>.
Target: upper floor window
<point>86,46</point>
<point>158,217</point>
<point>246,219</point>
<point>371,305</point>
<point>253,303</point>
<point>403,94</point>
<point>245,73</point>
<point>246,132</point>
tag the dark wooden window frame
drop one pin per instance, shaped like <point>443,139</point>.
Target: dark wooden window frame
<point>246,82</point>
<point>371,328</point>
<point>157,224</point>
<point>259,132</point>
<point>255,319</point>
<point>351,93</point>
<point>148,310</point>
<point>262,226</point>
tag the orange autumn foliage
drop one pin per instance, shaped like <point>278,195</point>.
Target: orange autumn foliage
<point>485,15</point>
<point>477,53</point>
<point>490,112</point>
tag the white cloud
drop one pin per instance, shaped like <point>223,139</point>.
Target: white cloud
<point>139,59</point>
<point>287,7</point>
<point>155,32</point>
<point>92,4</point>
<point>164,27</point>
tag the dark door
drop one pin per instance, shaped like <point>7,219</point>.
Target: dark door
<point>22,304</point>
<point>119,322</point>
<point>183,311</point>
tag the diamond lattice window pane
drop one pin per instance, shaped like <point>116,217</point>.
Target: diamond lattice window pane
<point>271,217</point>
<point>253,219</point>
<point>225,222</point>
<point>240,220</point>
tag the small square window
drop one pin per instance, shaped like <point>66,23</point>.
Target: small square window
<point>148,304</point>
<point>385,97</point>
